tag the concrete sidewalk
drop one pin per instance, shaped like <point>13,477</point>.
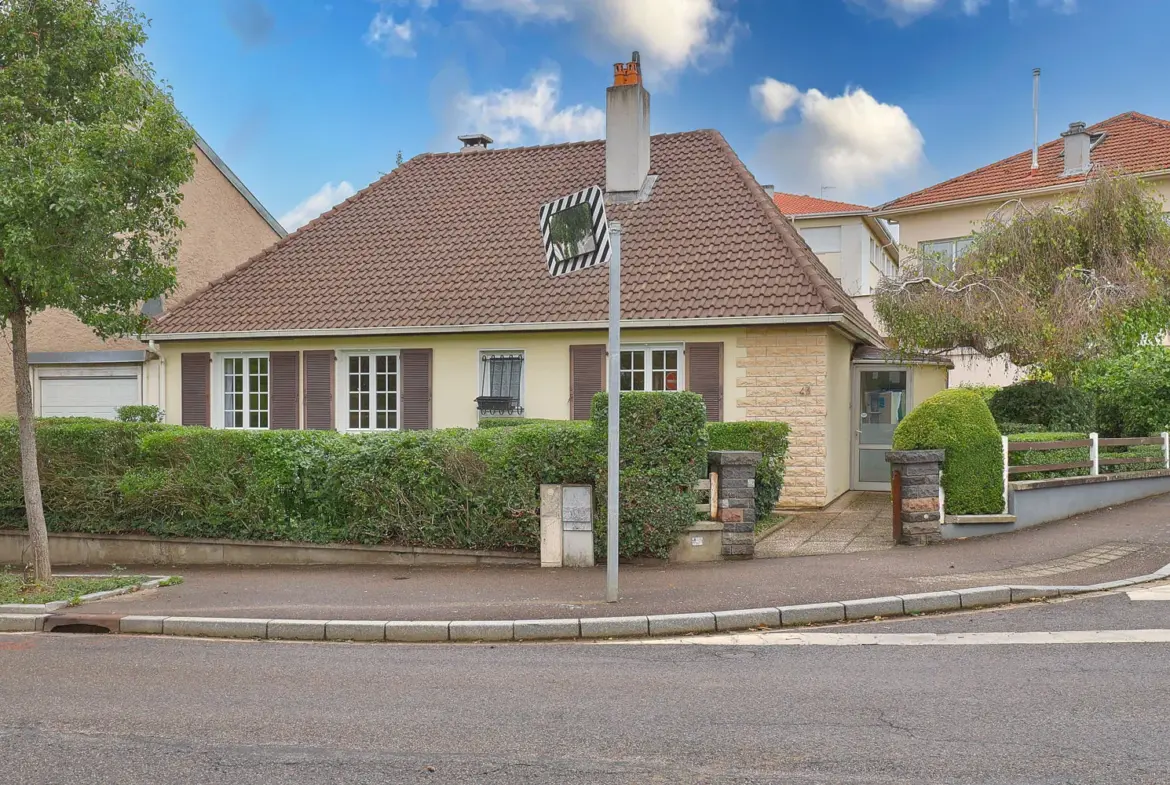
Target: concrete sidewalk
<point>1102,546</point>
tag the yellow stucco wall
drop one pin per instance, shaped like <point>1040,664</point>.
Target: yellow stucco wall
<point>838,416</point>
<point>456,364</point>
<point>222,231</point>
<point>925,381</point>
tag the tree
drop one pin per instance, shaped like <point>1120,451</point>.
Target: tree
<point>92,157</point>
<point>1049,286</point>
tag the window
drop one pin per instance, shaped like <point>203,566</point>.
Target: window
<point>245,391</point>
<point>945,251</point>
<point>501,384</point>
<point>651,368</point>
<point>823,239</point>
<point>371,385</point>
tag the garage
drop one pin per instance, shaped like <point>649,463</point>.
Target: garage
<point>95,387</point>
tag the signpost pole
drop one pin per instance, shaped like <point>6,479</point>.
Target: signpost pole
<point>615,352</point>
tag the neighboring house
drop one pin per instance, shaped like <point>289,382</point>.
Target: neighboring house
<point>855,247</point>
<point>424,301</point>
<point>940,220</point>
<point>75,373</point>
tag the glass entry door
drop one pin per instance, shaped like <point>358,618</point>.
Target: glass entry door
<point>881,401</point>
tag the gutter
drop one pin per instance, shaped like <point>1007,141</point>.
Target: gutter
<point>441,329</point>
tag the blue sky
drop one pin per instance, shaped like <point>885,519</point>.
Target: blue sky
<point>308,100</point>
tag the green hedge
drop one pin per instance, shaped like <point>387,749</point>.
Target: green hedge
<point>512,422</point>
<point>139,413</point>
<point>1009,428</point>
<point>453,488</point>
<point>770,439</point>
<point>1056,408</point>
<point>959,422</point>
<point>663,453</point>
<point>1133,392</point>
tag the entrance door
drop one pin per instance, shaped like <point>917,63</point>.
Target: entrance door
<point>881,400</point>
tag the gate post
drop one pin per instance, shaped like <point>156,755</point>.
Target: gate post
<point>914,483</point>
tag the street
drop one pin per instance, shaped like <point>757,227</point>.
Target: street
<point>101,709</point>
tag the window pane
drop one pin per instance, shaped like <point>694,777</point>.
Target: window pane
<point>626,381</point>
<point>627,360</point>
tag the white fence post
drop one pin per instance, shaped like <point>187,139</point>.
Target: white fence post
<point>1166,449</point>
<point>942,499</point>
<point>1094,455</point>
<point>1005,474</point>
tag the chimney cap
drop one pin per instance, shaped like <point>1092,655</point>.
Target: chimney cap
<point>1074,128</point>
<point>628,73</point>
<point>475,141</point>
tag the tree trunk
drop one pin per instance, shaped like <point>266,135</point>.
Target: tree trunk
<point>38,535</point>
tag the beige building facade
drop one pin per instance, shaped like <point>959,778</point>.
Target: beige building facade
<point>75,373</point>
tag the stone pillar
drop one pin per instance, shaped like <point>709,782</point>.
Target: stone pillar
<point>914,481</point>
<point>735,486</point>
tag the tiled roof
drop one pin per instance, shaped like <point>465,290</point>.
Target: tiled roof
<point>1133,142</point>
<point>453,239</point>
<point>799,204</point>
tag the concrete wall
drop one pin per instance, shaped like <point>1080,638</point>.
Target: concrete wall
<point>839,416</point>
<point>222,231</point>
<point>852,265</point>
<point>1042,501</point>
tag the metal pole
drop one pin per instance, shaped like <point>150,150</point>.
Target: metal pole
<point>612,520</point>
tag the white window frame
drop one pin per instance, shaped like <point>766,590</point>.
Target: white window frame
<point>954,249</point>
<point>648,349</point>
<point>341,389</point>
<point>218,390</point>
<point>480,356</point>
<point>823,239</point>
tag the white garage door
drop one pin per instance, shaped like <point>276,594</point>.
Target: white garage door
<point>87,396</point>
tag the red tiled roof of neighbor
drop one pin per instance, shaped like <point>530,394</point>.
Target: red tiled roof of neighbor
<point>1133,142</point>
<point>799,204</point>
<point>453,239</point>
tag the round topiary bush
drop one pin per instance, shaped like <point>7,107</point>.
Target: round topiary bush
<point>959,422</point>
<point>1056,408</point>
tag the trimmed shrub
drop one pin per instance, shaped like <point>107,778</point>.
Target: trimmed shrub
<point>770,439</point>
<point>139,414</point>
<point>959,422</point>
<point>457,488</point>
<point>512,422</point>
<point>1009,428</point>
<point>1133,392</point>
<point>663,453</point>
<point>1056,408</point>
<point>986,391</point>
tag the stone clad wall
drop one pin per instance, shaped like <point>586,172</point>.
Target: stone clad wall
<point>785,380</point>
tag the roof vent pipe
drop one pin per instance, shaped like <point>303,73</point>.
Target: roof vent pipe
<point>1035,119</point>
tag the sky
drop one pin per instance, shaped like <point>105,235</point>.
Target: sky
<point>856,100</point>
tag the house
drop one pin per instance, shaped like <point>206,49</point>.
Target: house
<point>940,220</point>
<point>75,373</point>
<point>424,301</point>
<point>855,247</point>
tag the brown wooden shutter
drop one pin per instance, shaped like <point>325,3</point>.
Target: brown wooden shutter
<point>705,376</point>
<point>319,390</point>
<point>196,392</point>
<point>415,385</point>
<point>586,378</point>
<point>284,390</point>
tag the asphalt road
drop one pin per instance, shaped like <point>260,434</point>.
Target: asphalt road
<point>84,710</point>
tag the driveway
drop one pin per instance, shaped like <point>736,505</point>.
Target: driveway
<point>857,521</point>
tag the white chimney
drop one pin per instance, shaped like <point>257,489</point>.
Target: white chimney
<point>475,142</point>
<point>627,129</point>
<point>1035,119</point>
<point>1077,143</point>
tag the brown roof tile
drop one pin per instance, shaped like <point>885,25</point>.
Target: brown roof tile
<point>1133,142</point>
<point>452,239</point>
<point>799,204</point>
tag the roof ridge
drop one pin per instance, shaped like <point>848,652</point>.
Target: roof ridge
<point>288,239</point>
<point>833,296</point>
<point>554,146</point>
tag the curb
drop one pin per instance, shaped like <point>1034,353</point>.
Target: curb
<point>559,629</point>
<point>153,582</point>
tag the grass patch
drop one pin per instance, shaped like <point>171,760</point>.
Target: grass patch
<point>14,589</point>
<point>775,520</point>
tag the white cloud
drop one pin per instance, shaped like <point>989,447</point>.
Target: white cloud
<point>904,12</point>
<point>326,197</point>
<point>851,142</point>
<point>529,114</point>
<point>393,38</point>
<point>670,34</point>
<point>773,98</point>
